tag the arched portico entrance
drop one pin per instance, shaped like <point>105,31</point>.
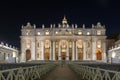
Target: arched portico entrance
<point>47,49</point>
<point>99,54</point>
<point>63,46</point>
<point>28,54</point>
<point>63,55</point>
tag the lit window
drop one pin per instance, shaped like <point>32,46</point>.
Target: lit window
<point>28,45</point>
<point>88,33</point>
<point>70,44</point>
<point>56,32</point>
<point>99,44</point>
<point>38,33</point>
<point>98,32</point>
<point>47,44</point>
<point>79,44</point>
<point>28,33</point>
<point>14,54</point>
<point>79,32</point>
<point>47,33</point>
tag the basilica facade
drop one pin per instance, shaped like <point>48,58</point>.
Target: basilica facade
<point>63,42</point>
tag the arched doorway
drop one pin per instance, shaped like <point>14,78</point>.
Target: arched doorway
<point>47,56</point>
<point>99,54</point>
<point>63,45</point>
<point>63,55</point>
<point>80,56</point>
<point>70,56</point>
<point>56,57</point>
<point>28,54</point>
<point>47,49</point>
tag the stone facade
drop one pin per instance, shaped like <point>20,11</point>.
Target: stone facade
<point>114,53</point>
<point>8,53</point>
<point>63,42</point>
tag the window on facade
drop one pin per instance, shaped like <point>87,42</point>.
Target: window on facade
<point>99,44</point>
<point>47,44</point>
<point>70,44</point>
<point>14,54</point>
<point>88,33</point>
<point>38,33</point>
<point>79,44</point>
<point>98,32</point>
<point>47,33</point>
<point>28,33</point>
<point>56,46</point>
<point>28,45</point>
<point>79,33</point>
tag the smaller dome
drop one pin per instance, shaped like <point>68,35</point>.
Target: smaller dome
<point>64,21</point>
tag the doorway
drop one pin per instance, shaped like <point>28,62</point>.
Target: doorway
<point>99,54</point>
<point>47,56</point>
<point>63,55</point>
<point>28,54</point>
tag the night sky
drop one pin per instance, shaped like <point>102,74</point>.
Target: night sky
<point>14,14</point>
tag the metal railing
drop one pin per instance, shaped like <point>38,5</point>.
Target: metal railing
<point>26,73</point>
<point>90,73</point>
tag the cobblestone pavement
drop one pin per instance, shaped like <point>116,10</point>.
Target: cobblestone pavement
<point>61,73</point>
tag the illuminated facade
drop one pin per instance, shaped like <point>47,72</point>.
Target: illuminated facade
<point>8,53</point>
<point>63,42</point>
<point>114,53</point>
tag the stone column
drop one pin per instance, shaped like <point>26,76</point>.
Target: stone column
<point>33,54</point>
<point>84,50</point>
<point>1,56</point>
<point>73,50</point>
<point>50,57</point>
<point>104,50</point>
<point>76,52</point>
<point>42,47</point>
<point>23,52</point>
<point>59,54</point>
<point>53,50</point>
<point>67,50</point>
<point>93,50</point>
